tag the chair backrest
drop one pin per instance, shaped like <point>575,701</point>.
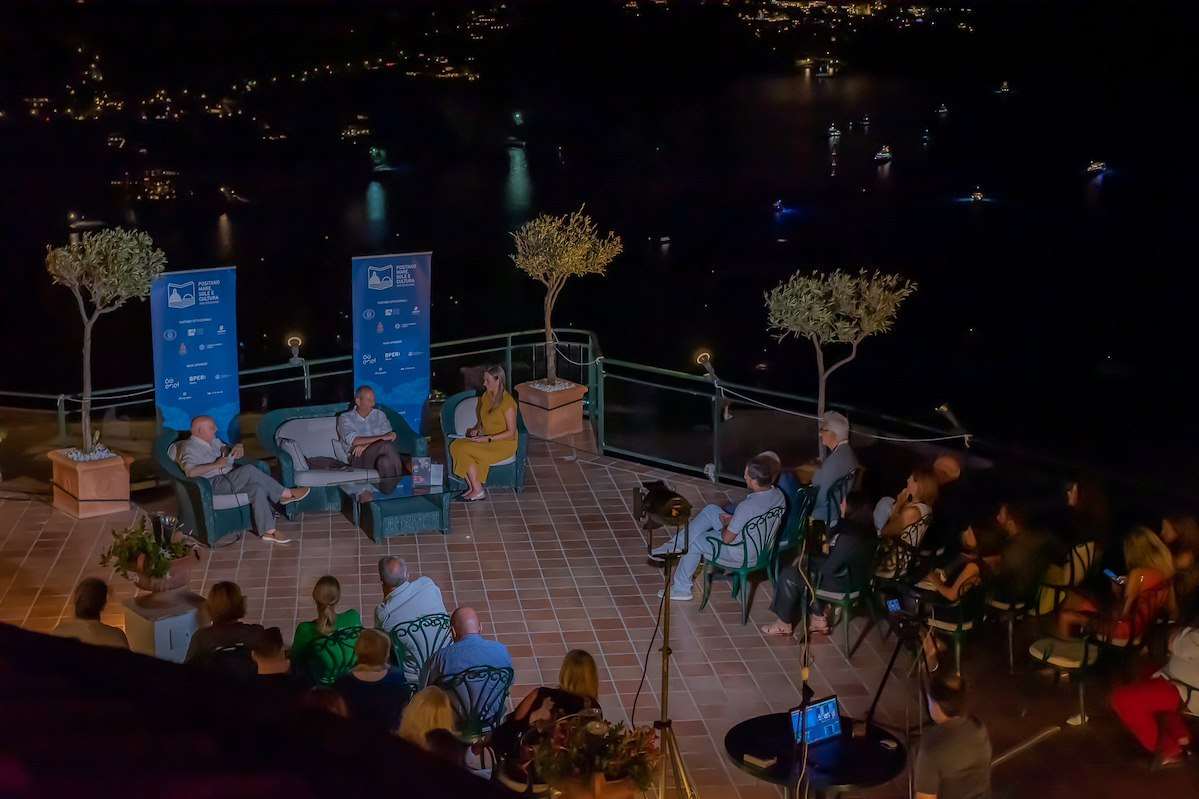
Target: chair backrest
<point>897,559</point>
<point>758,536</point>
<point>233,660</point>
<point>415,642</point>
<point>837,492</point>
<point>801,500</point>
<point>1149,605</point>
<point>1081,558</point>
<point>465,416</point>
<point>478,694</point>
<point>330,657</point>
<point>314,435</point>
<point>166,451</point>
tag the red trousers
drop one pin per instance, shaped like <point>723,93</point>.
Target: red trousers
<point>1151,710</point>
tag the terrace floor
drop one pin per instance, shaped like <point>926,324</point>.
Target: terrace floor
<point>562,565</point>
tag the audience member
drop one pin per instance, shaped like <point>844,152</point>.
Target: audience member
<point>326,700</point>
<point>1152,709</point>
<point>429,710</point>
<point>365,433</point>
<point>91,595</point>
<point>492,440</point>
<point>469,648</point>
<point>840,461</point>
<point>1025,553</point>
<point>942,588</point>
<point>1151,571</point>
<point>270,657</point>
<point>445,745</point>
<point>404,599</point>
<point>907,516</point>
<point>954,759</point>
<point>326,594</point>
<point>846,565</point>
<point>1087,516</point>
<point>1181,535</point>
<point>226,607</point>
<point>205,455</point>
<point>375,692</point>
<point>712,522</point>
<point>956,504</point>
<point>777,478</point>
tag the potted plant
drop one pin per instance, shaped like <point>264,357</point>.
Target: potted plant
<point>103,270</point>
<point>586,758</point>
<point>550,250</point>
<point>151,555</point>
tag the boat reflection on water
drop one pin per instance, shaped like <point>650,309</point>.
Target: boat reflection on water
<point>883,155</point>
<point>975,197</point>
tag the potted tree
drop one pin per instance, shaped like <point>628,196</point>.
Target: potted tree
<point>551,249</point>
<point>103,270</point>
<point>587,758</point>
<point>831,308</point>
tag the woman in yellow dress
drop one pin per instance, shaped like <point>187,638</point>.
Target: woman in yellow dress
<point>490,441</point>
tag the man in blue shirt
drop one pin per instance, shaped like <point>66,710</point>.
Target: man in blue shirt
<point>468,649</point>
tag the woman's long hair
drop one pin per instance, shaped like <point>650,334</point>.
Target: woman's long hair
<point>496,371</point>
<point>579,675</point>
<point>1144,550</point>
<point>326,594</point>
<point>430,709</point>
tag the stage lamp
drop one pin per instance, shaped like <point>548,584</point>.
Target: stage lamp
<point>294,343</point>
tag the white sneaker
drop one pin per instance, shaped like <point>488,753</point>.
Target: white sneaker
<point>676,596</point>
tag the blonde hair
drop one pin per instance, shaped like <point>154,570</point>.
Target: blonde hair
<point>497,372</point>
<point>1144,550</point>
<point>429,709</point>
<point>326,594</point>
<point>372,648</point>
<point>579,675</point>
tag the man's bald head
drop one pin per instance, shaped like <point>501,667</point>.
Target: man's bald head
<point>947,467</point>
<point>204,427</point>
<point>465,621</point>
<point>393,571</point>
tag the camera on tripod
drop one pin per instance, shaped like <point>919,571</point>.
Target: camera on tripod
<point>656,505</point>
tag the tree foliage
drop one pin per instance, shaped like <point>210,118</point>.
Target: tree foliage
<point>552,249</point>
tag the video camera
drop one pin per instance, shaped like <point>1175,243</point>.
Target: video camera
<point>655,506</point>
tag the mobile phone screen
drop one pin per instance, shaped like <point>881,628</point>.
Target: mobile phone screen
<point>1111,575</point>
<point>893,605</point>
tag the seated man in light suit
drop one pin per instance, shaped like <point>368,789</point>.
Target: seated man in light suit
<point>368,437</point>
<point>205,455</point>
<point>840,461</point>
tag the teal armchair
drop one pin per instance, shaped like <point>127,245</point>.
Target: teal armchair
<point>208,518</point>
<point>309,432</point>
<point>738,562</point>
<point>457,415</point>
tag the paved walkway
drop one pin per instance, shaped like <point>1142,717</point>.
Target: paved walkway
<point>561,566</point>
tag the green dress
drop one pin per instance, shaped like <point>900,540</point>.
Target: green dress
<point>306,633</point>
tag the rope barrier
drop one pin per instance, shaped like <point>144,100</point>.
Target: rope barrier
<point>566,357</point>
<point>106,397</point>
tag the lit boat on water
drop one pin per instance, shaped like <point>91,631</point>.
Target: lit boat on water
<point>883,155</point>
<point>1096,167</point>
<point>866,120</point>
<point>977,195</point>
<point>942,109</point>
<point>1004,88</point>
<point>833,131</point>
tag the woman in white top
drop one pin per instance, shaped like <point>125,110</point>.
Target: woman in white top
<point>911,512</point>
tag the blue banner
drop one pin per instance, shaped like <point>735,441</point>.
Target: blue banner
<point>391,330</point>
<point>194,319</point>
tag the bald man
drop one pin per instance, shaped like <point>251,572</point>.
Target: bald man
<point>468,649</point>
<point>205,455</point>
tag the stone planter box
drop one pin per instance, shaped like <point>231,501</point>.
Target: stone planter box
<point>85,489</point>
<point>551,414</point>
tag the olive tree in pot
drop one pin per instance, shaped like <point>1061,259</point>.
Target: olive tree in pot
<point>552,249</point>
<point>835,308</point>
<point>103,270</point>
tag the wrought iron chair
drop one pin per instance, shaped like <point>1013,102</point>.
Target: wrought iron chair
<point>415,642</point>
<point>968,611</point>
<point>330,657</point>
<point>858,592</point>
<point>479,695</point>
<point>800,503</point>
<point>752,552</point>
<point>1072,657</point>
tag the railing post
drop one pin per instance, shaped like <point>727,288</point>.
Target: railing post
<point>307,380</point>
<point>62,419</point>
<point>598,415</point>
<point>508,359</point>
<point>716,413</point>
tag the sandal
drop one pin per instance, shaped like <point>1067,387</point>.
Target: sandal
<point>475,498</point>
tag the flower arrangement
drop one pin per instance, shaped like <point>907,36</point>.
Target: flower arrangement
<point>146,550</point>
<point>579,746</point>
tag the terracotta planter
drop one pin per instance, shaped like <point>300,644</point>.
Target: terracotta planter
<point>552,414</point>
<point>178,576</point>
<point>85,489</point>
<point>597,787</point>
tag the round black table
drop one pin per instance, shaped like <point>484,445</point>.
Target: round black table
<point>834,766</point>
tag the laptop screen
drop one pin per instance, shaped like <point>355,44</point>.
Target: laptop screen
<point>823,721</point>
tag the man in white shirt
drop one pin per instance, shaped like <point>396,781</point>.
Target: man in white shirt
<point>1152,709</point>
<point>403,599</point>
<point>205,455</point>
<point>368,438</point>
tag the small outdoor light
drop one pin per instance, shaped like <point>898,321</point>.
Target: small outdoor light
<point>704,359</point>
<point>295,342</point>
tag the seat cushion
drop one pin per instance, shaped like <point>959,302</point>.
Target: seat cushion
<point>332,477</point>
<point>1063,654</point>
<point>465,416</point>
<point>1001,604</point>
<point>951,626</point>
<point>298,460</point>
<point>313,436</point>
<point>837,596</point>
<point>227,501</point>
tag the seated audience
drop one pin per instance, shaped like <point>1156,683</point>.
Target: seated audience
<point>954,759</point>
<point>956,504</point>
<point>429,710</point>
<point>326,594</point>
<point>908,515</point>
<point>1087,517</point>
<point>91,595</point>
<point>1152,709</point>
<point>444,745</point>
<point>375,692</point>
<point>404,600</point>
<point>1150,572</point>
<point>712,522</point>
<point>325,700</point>
<point>1181,535</point>
<point>270,657</point>
<point>840,461</point>
<point>942,588</point>
<point>469,648</point>
<point>1026,551</point>
<point>225,607</point>
<point>777,479</point>
<point>205,455</point>
<point>366,434</point>
<point>492,440</point>
<point>846,565</point>
<point>578,690</point>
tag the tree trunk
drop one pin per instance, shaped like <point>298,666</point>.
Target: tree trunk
<point>551,350</point>
<point>821,383</point>
<point>86,409</point>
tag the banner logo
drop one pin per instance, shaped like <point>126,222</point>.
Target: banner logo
<point>380,278</point>
<point>181,295</point>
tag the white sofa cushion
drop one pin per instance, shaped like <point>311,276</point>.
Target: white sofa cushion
<point>292,448</point>
<point>466,418</point>
<point>313,436</point>
<point>227,501</point>
<point>332,477</point>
